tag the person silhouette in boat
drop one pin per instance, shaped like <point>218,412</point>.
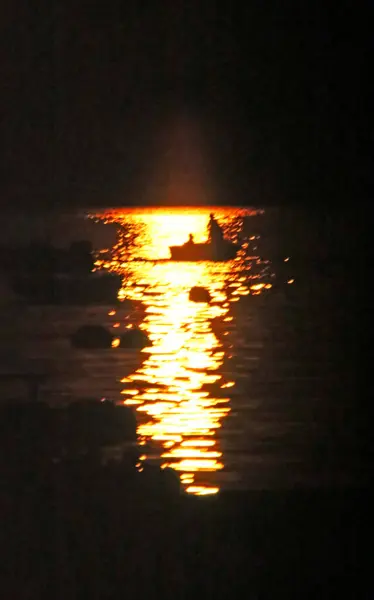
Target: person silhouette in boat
<point>215,233</point>
<point>190,239</point>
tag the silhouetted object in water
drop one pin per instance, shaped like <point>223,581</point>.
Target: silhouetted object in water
<point>98,337</point>
<point>32,431</point>
<point>199,294</point>
<point>216,249</point>
<point>92,337</point>
<point>188,252</point>
<point>215,233</point>
<point>79,257</point>
<point>40,257</point>
<point>134,338</point>
<point>160,479</point>
<point>70,290</point>
<point>93,424</point>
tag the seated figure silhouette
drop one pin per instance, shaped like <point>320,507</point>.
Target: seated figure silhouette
<point>215,233</point>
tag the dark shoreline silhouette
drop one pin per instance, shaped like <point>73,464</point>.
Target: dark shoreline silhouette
<point>75,526</point>
<point>80,533</point>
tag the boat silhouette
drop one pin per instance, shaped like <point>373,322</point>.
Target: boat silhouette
<point>222,251</point>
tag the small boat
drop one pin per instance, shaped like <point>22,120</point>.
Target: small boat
<point>192,252</point>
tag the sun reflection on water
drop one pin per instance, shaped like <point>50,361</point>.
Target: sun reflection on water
<point>180,391</point>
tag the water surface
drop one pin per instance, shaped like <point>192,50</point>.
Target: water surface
<point>183,389</point>
<point>248,391</point>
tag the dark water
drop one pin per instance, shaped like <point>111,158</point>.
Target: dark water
<point>255,390</point>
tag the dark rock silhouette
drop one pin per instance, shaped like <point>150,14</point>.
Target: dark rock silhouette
<point>33,432</point>
<point>41,257</point>
<point>92,337</point>
<point>79,257</point>
<point>134,338</point>
<point>26,421</point>
<point>161,479</point>
<point>100,423</point>
<point>199,294</point>
<point>72,527</point>
<point>72,289</point>
<point>98,337</point>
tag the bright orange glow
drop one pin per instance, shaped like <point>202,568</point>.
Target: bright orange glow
<point>176,390</point>
<point>228,384</point>
<point>196,453</point>
<point>131,402</point>
<point>196,465</point>
<point>201,490</point>
<point>196,443</point>
<point>115,342</point>
<point>290,281</point>
<point>163,437</point>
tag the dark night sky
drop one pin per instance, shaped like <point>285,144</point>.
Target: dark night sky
<point>279,90</point>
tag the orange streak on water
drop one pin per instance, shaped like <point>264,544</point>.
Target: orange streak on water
<point>178,388</point>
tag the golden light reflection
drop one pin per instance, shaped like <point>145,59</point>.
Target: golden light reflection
<point>196,465</point>
<point>200,490</point>
<point>228,384</point>
<point>131,402</point>
<point>257,286</point>
<point>197,443</point>
<point>186,478</point>
<point>179,391</point>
